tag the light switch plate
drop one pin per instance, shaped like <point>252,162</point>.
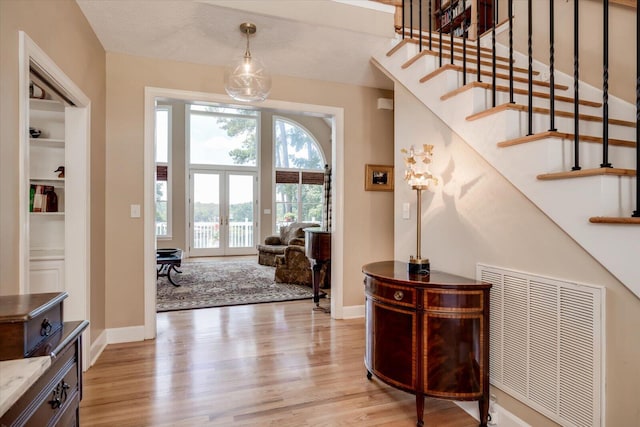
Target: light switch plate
<point>135,211</point>
<point>406,210</point>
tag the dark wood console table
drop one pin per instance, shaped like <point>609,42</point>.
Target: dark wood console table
<point>428,334</point>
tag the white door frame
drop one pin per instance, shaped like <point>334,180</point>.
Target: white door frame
<point>337,198</point>
<point>77,247</point>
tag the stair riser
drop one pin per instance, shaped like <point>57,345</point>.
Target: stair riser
<point>541,122</point>
<point>560,155</point>
<point>599,195</point>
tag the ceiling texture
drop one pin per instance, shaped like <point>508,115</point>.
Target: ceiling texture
<point>314,39</point>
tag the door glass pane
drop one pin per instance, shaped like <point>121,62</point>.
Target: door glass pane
<point>241,211</point>
<point>206,211</point>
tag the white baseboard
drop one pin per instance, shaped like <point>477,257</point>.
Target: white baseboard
<point>97,347</point>
<point>129,334</point>
<point>500,417</point>
<point>353,312</point>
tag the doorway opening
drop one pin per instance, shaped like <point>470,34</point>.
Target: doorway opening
<point>264,205</point>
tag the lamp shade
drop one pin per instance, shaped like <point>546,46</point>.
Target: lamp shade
<point>247,79</point>
<point>417,162</point>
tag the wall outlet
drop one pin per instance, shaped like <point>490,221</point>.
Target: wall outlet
<point>135,211</point>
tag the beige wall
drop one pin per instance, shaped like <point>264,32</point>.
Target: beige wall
<point>474,215</point>
<point>317,126</point>
<point>368,139</point>
<point>60,29</point>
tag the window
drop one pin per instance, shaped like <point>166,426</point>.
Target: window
<point>223,136</point>
<point>299,174</point>
<point>163,183</point>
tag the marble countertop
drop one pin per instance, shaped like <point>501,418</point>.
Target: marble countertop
<point>16,376</point>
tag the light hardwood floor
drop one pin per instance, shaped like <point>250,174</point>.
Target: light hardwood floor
<point>278,364</point>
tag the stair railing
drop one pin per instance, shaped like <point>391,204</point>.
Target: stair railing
<point>552,98</point>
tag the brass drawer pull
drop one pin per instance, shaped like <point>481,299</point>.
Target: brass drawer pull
<point>398,295</point>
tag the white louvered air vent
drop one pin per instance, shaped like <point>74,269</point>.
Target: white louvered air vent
<point>547,344</point>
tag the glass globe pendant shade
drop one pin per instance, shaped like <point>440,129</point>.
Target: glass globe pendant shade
<point>247,80</point>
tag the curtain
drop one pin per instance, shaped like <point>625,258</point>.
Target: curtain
<point>326,208</point>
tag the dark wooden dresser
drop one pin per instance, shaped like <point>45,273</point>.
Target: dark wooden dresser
<point>32,325</point>
<point>428,334</point>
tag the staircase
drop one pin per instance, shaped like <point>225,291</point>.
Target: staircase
<point>530,141</point>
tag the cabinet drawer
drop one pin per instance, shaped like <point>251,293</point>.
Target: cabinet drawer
<point>453,300</point>
<point>25,329</point>
<point>61,397</point>
<point>40,328</point>
<point>37,407</point>
<point>390,293</point>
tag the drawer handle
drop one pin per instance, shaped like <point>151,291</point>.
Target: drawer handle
<point>45,328</point>
<point>398,295</point>
<point>59,395</point>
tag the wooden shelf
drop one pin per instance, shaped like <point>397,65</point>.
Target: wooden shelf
<point>47,142</point>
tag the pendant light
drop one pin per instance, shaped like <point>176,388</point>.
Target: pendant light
<point>247,80</point>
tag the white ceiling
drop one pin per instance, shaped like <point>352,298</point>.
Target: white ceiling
<point>316,39</point>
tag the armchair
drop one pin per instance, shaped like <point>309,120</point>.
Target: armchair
<point>293,266</point>
<point>290,235</point>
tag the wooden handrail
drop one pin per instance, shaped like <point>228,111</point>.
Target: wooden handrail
<point>629,3</point>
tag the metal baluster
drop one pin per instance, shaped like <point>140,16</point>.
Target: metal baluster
<point>636,213</point>
<point>403,11</point>
<point>576,88</point>
<point>440,37</point>
<point>420,24</point>
<point>493,59</point>
<point>552,99</point>
<point>451,32</point>
<point>411,18</point>
<point>430,27</point>
<point>605,88</point>
<point>479,77</point>
<point>511,99</point>
<point>530,52</point>
<point>464,42</point>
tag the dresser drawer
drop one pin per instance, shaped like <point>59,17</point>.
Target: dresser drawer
<point>453,300</point>
<point>27,322</point>
<point>390,293</point>
<point>54,398</point>
<point>60,396</point>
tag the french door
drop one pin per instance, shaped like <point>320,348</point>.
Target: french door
<point>222,212</point>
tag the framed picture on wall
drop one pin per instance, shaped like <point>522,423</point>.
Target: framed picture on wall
<point>378,178</point>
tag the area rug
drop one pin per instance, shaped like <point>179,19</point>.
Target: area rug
<point>222,283</point>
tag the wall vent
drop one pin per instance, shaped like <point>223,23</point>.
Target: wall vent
<point>547,344</point>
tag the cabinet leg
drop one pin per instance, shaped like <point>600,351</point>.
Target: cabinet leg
<point>483,406</point>
<point>420,409</point>
<point>369,375</point>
